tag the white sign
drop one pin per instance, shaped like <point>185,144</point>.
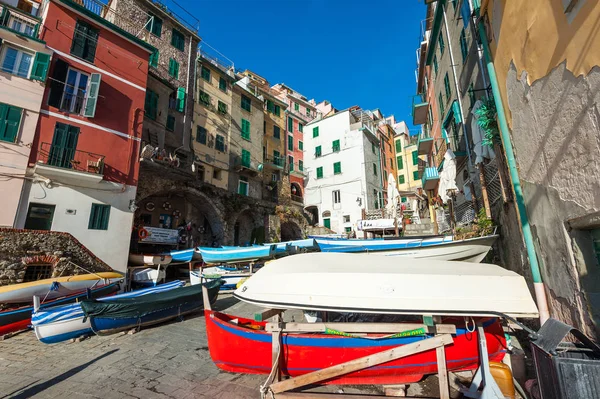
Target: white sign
<point>377,224</point>
<point>157,235</point>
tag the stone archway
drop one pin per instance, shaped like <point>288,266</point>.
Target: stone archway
<point>248,228</point>
<point>290,231</point>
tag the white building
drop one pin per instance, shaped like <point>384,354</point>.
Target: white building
<point>341,159</point>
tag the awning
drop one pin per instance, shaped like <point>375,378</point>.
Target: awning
<point>447,176</point>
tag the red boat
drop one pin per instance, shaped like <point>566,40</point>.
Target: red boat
<point>243,346</point>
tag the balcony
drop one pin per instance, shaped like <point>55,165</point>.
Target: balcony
<point>68,165</point>
<point>420,109</point>
<point>430,178</point>
<point>278,162</point>
<point>19,21</point>
<point>425,143</point>
<point>241,165</point>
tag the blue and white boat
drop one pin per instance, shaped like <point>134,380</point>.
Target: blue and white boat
<point>236,254</point>
<point>290,247</point>
<point>60,323</point>
<point>185,255</point>
<point>230,276</point>
<point>370,245</point>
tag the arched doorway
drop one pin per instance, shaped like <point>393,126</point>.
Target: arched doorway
<point>290,231</point>
<point>313,211</point>
<point>296,193</point>
<point>248,229</point>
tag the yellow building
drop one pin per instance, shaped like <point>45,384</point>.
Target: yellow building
<point>212,121</point>
<point>407,160</point>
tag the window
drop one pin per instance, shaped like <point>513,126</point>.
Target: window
<point>16,62</point>
<point>401,179</point>
<point>204,98</point>
<point>177,40</point>
<point>245,129</point>
<point>335,145</point>
<point>315,131</point>
<point>41,63</point>
<point>291,162</point>
<point>337,168</point>
<point>398,146</point>
<point>277,111</point>
<point>300,145</point>
<point>10,121</point>
<point>447,86</point>
<point>270,106</point>
<point>416,175</point>
<point>375,169</point>
<point>277,159</point>
<point>153,61</point>
<point>99,217</point>
<point>337,196</point>
<point>75,88</point>
<point>348,229</point>
<point>403,199</point>
<point>319,172</point>
<point>180,104</point>
<point>276,132</point>
<point>435,66</point>
<point>151,104</point>
<point>243,186</point>
<point>296,107</point>
<point>373,148</point>
<point>300,128</point>
<point>464,49</point>
<point>307,112</point>
<point>300,165</point>
<point>290,124</point>
<point>441,44</point>
<point>154,24</point>
<point>290,142</point>
<point>317,151</point>
<point>274,177</point>
<point>471,96</point>
<point>37,272</point>
<point>205,73</point>
<point>173,68</point>
<point>441,104</point>
<point>346,218</point>
<point>19,25</point>
<point>222,108</point>
<point>246,104</point>
<point>400,162</point>
<point>217,174</point>
<point>222,84</point>
<point>85,39</point>
<point>220,143</point>
<point>415,157</point>
<point>376,201</point>
<point>201,135</point>
<point>246,158</point>
<point>170,123</point>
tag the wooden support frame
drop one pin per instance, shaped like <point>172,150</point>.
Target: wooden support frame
<point>267,314</point>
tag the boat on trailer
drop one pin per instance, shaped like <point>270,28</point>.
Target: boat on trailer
<point>237,254</point>
<point>452,313</point>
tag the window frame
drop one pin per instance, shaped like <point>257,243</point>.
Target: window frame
<point>170,127</point>
<point>246,101</point>
<point>154,24</point>
<point>243,181</point>
<point>18,60</point>
<point>99,224</point>
<point>180,45</point>
<point>200,131</point>
<point>222,84</point>
<point>315,132</point>
<point>245,132</point>
<point>205,73</point>
<point>336,196</point>
<point>320,172</point>
<point>300,145</point>
<point>87,39</point>
<point>73,101</point>
<point>220,144</point>
<point>335,145</point>
<point>337,167</point>
<point>318,151</point>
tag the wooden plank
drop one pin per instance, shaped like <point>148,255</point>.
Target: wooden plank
<point>267,314</point>
<point>275,360</point>
<point>361,327</point>
<point>440,352</point>
<point>205,299</point>
<point>316,395</point>
<point>361,363</point>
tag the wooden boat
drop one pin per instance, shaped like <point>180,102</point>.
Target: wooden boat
<point>362,283</point>
<point>53,324</point>
<point>149,259</point>
<point>148,277</point>
<point>236,254</point>
<point>244,346</point>
<point>128,313</point>
<point>52,288</point>
<point>12,320</point>
<point>231,276</point>
<point>469,250</point>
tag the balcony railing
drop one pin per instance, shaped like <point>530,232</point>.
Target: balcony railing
<point>71,158</point>
<point>297,198</point>
<point>19,21</point>
<point>430,178</point>
<point>275,161</point>
<point>420,109</point>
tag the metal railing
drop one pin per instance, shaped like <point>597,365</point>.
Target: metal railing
<point>277,161</point>
<point>70,158</point>
<point>73,102</point>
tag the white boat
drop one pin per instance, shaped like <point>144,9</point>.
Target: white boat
<point>60,323</point>
<point>361,283</point>
<point>55,287</point>
<point>231,276</point>
<point>149,259</point>
<point>148,277</point>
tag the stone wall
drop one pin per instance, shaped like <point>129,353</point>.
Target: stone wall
<point>18,248</point>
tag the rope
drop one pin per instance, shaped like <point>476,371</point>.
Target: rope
<point>467,324</point>
<point>266,387</point>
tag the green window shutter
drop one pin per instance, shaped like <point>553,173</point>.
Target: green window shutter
<point>79,39</point>
<point>92,95</point>
<point>316,131</point>
<point>290,124</point>
<point>375,169</point>
<point>464,49</point>
<point>99,216</point>
<point>276,132</point>
<point>415,157</point>
<point>153,61</point>
<point>441,104</point>
<point>398,146</point>
<point>222,107</point>
<point>447,86</point>
<point>204,98</point>
<point>181,99</point>
<point>300,128</point>
<point>400,162</point>
<point>277,110</point>
<point>319,172</point>
<point>373,148</point>
<point>296,107</point>
<point>157,26</point>
<point>401,179</point>
<point>222,83</point>
<point>220,143</point>
<point>327,223</point>
<point>317,151</point>
<point>91,41</point>
<point>246,158</point>
<point>300,165</point>
<point>171,67</point>
<point>246,103</point>
<point>245,129</point>
<point>300,145</point>
<point>40,66</point>
<point>441,44</point>
<point>471,96</point>
<point>170,123</point>
<point>201,135</point>
<point>10,121</point>
<point>205,73</point>
<point>270,106</point>
<point>416,175</point>
<point>290,143</point>
<point>404,199</point>
<point>177,39</point>
<point>291,163</point>
<point>337,168</point>
<point>151,104</point>
<point>435,65</point>
<point>176,70</point>
<point>335,145</point>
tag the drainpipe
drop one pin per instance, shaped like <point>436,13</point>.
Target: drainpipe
<point>540,292</point>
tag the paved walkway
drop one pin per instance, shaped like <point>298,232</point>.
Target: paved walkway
<point>167,361</point>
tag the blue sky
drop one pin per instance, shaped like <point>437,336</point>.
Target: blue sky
<point>350,52</point>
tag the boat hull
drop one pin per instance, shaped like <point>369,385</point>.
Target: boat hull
<point>230,279</point>
<point>237,254</point>
<point>149,259</point>
<point>53,288</point>
<point>238,349</point>
<point>184,255</point>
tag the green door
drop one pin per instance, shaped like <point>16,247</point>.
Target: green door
<point>64,143</point>
<point>327,223</point>
<point>39,216</point>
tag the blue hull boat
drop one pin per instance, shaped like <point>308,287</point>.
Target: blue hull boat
<point>130,313</point>
<point>183,255</point>
<point>236,254</point>
<point>376,245</point>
